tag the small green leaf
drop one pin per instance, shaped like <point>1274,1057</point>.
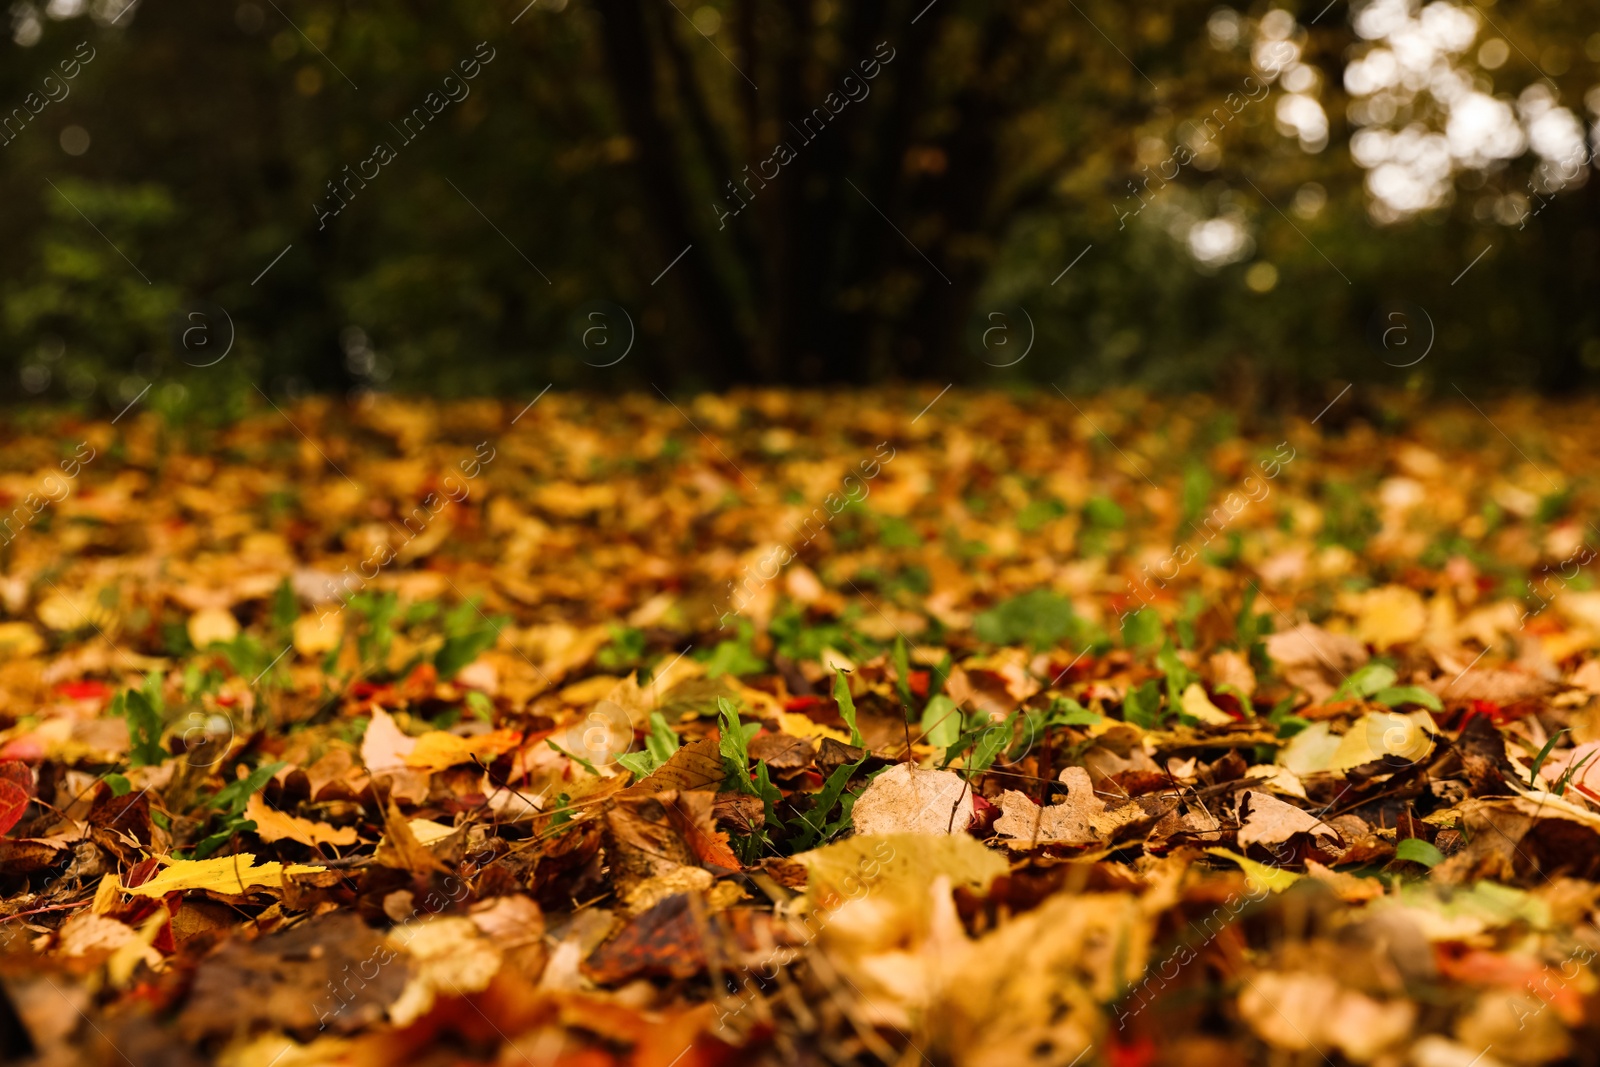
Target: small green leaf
<point>481,706</point>
<point>144,727</point>
<point>847,706</point>
<point>735,748</point>
<point>902,672</point>
<point>1417,850</point>
<point>232,797</point>
<point>1395,696</point>
<point>1068,712</point>
<point>579,760</point>
<point>941,722</point>
<point>1544,754</point>
<point>659,745</point>
<point>1366,681</point>
<point>119,785</point>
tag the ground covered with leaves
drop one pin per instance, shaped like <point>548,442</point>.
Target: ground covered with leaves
<point>792,728</point>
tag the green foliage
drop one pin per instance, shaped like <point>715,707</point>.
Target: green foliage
<point>941,722</point>
<point>144,714</point>
<point>232,798</point>
<point>1366,680</point>
<point>1142,629</point>
<point>1178,676</point>
<point>626,650</point>
<point>1039,617</point>
<point>659,745</point>
<point>902,672</point>
<point>736,656</point>
<point>795,639</point>
<point>847,706</point>
<point>480,706</point>
<point>228,807</point>
<point>1416,850</point>
<point>735,747</point>
<point>1105,513</point>
<point>285,608</point>
<point>1142,705</point>
<point>895,532</point>
<point>1039,513</point>
<point>1544,754</point>
<point>1250,627</point>
<point>468,634</point>
<point>1396,696</point>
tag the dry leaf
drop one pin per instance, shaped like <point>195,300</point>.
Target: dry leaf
<point>1300,1011</point>
<point>437,749</point>
<point>1266,820</point>
<point>274,825</point>
<point>232,875</point>
<point>907,799</point>
<point>1081,819</point>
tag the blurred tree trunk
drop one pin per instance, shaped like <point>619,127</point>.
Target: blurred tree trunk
<point>862,255</point>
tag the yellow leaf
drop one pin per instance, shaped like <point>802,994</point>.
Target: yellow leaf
<point>437,750</point>
<point>315,635</point>
<point>227,874</point>
<point>899,866</point>
<point>19,640</point>
<point>1259,875</point>
<point>1391,615</point>
<point>1384,734</point>
<point>210,626</point>
<point>797,725</point>
<point>275,825</point>
<point>1197,704</point>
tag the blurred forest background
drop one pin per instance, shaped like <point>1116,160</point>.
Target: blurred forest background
<point>471,198</point>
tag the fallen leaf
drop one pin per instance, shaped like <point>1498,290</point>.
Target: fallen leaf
<point>1266,820</point>
<point>1300,1011</point>
<point>384,747</point>
<point>1081,819</point>
<point>907,799</point>
<point>232,875</point>
<point>275,825</point>
<point>437,750</point>
<point>16,789</point>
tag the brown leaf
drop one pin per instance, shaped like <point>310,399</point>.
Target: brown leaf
<point>678,939</point>
<point>333,972</point>
<point>1081,819</point>
<point>697,765</point>
<point>1266,820</point>
<point>782,752</point>
<point>400,848</point>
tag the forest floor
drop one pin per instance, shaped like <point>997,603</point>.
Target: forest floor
<point>789,728</point>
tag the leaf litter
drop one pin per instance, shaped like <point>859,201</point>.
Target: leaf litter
<point>814,729</point>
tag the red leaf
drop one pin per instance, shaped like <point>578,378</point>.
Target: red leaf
<point>86,690</point>
<point>16,785</point>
